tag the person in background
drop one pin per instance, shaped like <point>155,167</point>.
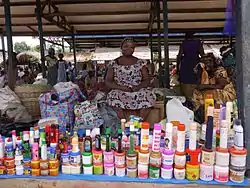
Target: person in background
<point>62,67</point>
<point>128,79</point>
<point>52,67</point>
<point>190,52</point>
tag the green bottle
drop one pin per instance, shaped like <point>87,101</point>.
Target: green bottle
<point>119,141</point>
<point>131,139</point>
<point>108,140</point>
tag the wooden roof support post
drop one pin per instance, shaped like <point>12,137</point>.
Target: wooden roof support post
<point>3,46</point>
<point>11,59</point>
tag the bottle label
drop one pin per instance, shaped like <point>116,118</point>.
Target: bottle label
<point>87,145</point>
<point>97,143</point>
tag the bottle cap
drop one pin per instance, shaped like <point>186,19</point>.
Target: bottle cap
<point>181,127</point>
<point>175,123</point>
<point>87,132</point>
<point>119,131</point>
<point>123,120</point>
<point>42,135</point>
<point>237,122</point>
<point>107,130</point>
<point>157,126</point>
<point>145,125</point>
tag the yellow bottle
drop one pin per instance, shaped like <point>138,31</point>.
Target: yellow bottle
<point>74,142</point>
<point>209,101</point>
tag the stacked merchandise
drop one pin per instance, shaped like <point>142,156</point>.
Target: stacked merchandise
<point>134,153</point>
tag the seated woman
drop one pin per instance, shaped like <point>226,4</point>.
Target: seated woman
<point>214,79</point>
<point>128,79</point>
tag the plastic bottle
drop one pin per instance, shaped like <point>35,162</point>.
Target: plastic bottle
<point>88,142</point>
<point>156,138</point>
<point>217,116</point>
<point>131,139</point>
<point>181,138</point>
<point>36,134</point>
<point>209,128</point>
<point>239,135</point>
<point>35,153</point>
<point>209,101</point>
<point>119,150</point>
<point>31,136</point>
<point>144,136</point>
<point>1,147</point>
<point>74,142</point>
<point>108,140</point>
<point>14,138</point>
<point>223,134</point>
<point>81,143</point>
<point>44,155</point>
<point>98,146</point>
<point>168,136</point>
<point>123,121</point>
<point>193,136</point>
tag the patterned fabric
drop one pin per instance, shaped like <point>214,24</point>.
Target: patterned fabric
<point>127,75</point>
<point>87,115</point>
<point>221,96</point>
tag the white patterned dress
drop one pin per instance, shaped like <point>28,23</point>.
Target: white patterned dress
<point>130,75</point>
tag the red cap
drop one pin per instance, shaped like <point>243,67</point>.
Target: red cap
<point>181,127</point>
<point>145,125</point>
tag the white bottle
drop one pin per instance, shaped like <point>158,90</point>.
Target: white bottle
<point>44,155</point>
<point>181,138</point>
<point>14,139</point>
<point>193,136</point>
<point>223,134</point>
<point>239,135</point>
<point>168,136</point>
<point>1,147</point>
<point>31,141</point>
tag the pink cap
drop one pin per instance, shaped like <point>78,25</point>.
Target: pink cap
<point>107,152</point>
<point>108,165</point>
<point>167,167</point>
<point>13,132</point>
<point>167,152</point>
<point>157,126</point>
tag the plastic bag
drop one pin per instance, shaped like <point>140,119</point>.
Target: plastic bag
<point>177,112</point>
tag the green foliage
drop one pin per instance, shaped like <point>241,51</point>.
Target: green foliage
<point>21,47</point>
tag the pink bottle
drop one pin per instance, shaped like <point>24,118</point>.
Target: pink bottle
<point>156,138</point>
<point>35,153</point>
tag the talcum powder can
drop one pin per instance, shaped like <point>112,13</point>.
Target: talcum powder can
<point>142,171</point>
<point>192,172</point>
<point>237,174</point>
<point>154,172</point>
<point>206,172</point>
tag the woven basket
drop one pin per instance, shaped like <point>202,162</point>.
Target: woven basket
<point>30,91</point>
<point>29,94</point>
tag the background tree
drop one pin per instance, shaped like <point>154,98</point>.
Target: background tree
<point>21,47</point>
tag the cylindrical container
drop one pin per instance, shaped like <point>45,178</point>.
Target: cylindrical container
<point>193,156</point>
<point>155,159</point>
<point>181,138</point>
<point>87,158</point>
<point>2,170</point>
<point>35,154</point>
<point>238,157</point>
<point>97,157</point>
<point>142,171</point>
<point>19,160</point>
<point>180,159</point>
<point>167,172</point>
<point>154,172</point>
<point>221,174</point>
<point>53,172</point>
<point>44,164</point>
<point>156,138</point>
<point>143,157</point>
<point>35,172</point>
<point>26,162</point>
<point>207,157</point>
<point>167,157</point>
<point>206,172</point>
<point>26,170</point>
<point>108,157</point>
<point>10,171</point>
<point>19,170</point>
<point>75,169</point>
<point>237,174</point>
<point>109,169</point>
<point>222,157</point>
<point>35,164</point>
<point>88,169</point>
<point>66,169</point>
<point>192,172</point>
<point>9,163</point>
<point>131,161</point>
<point>98,169</point>
<point>45,172</point>
<point>145,136</point>
<point>179,173</point>
<point>120,171</point>
<point>223,134</point>
<point>65,159</point>
<point>132,172</point>
<point>53,164</point>
<point>119,159</point>
<point>168,140</point>
<point>1,161</point>
<point>193,136</point>
<point>75,158</point>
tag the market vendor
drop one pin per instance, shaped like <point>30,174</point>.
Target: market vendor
<point>62,67</point>
<point>52,67</point>
<point>128,79</point>
<point>215,80</point>
<point>189,55</point>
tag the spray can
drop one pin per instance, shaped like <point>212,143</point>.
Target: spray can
<point>239,137</point>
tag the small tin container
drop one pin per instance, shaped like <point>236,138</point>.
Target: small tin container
<point>131,161</point>
<point>2,170</point>
<point>26,162</point>
<point>206,172</point>
<point>53,164</point>
<point>108,157</point>
<point>35,164</point>
<point>154,172</point>
<point>75,158</point>
<point>120,171</point>
<point>88,169</point>
<point>87,158</point>
<point>10,171</point>
<point>66,169</point>
<point>98,169</point>
<point>18,160</point>
<point>26,170</point>
<point>44,164</point>
<point>237,174</point>
<point>179,173</point>
<point>132,172</point>
<point>65,159</point>
<point>45,172</point>
<point>119,159</point>
<point>19,170</point>
<point>9,163</point>
<point>109,169</point>
<point>155,159</point>
<point>192,172</point>
<point>142,171</point>
<point>35,172</point>
<point>167,157</point>
<point>166,172</point>
<point>53,172</point>
<point>97,157</point>
<point>143,157</point>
